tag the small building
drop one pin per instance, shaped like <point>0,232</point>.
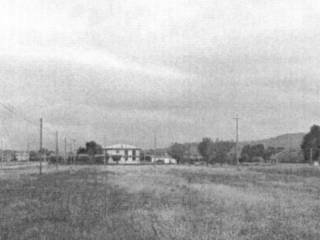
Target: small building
<point>163,159</point>
<point>160,158</point>
<point>21,156</point>
<point>7,156</point>
<point>122,154</point>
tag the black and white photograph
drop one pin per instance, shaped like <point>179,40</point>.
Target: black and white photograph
<point>159,120</point>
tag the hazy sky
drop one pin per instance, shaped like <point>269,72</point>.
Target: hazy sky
<point>120,70</point>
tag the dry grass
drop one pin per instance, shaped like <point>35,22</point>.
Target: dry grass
<point>163,202</point>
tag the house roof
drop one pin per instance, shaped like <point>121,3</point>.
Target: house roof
<point>121,146</point>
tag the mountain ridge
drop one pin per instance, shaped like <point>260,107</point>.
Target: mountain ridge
<point>287,141</point>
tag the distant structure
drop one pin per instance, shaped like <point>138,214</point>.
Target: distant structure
<point>7,156</point>
<point>191,154</point>
<point>22,156</point>
<point>122,154</point>
<point>160,159</point>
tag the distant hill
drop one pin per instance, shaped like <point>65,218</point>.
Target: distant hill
<point>287,141</point>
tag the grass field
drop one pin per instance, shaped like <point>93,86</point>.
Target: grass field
<point>162,202</point>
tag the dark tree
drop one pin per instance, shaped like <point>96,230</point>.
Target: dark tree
<point>177,151</point>
<point>93,148</point>
<point>81,150</point>
<point>206,149</point>
<point>269,152</point>
<point>311,144</point>
<point>250,153</point>
<point>34,156</point>
<point>221,150</point>
<point>246,154</point>
<point>257,150</point>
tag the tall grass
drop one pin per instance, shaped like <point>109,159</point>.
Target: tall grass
<point>161,202</point>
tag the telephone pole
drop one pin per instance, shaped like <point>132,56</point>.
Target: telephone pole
<point>2,152</point>
<point>65,150</point>
<point>40,167</point>
<point>57,148</point>
<point>237,139</point>
<point>155,140</point>
<point>74,151</point>
<point>28,149</point>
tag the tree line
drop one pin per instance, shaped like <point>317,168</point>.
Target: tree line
<point>207,151</point>
<point>258,153</point>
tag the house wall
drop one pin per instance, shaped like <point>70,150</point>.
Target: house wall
<point>127,155</point>
<point>165,160</point>
<point>22,156</point>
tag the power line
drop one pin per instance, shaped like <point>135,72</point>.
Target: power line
<point>13,112</point>
<point>20,115</point>
<point>23,117</point>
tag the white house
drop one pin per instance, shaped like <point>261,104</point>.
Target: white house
<point>122,154</point>
<point>164,159</point>
<point>22,156</point>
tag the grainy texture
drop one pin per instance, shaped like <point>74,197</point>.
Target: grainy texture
<point>163,202</point>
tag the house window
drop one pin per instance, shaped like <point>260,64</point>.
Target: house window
<point>133,155</point>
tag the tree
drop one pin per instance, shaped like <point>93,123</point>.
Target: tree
<point>257,150</point>
<point>177,151</point>
<point>206,149</point>
<point>81,150</point>
<point>269,152</point>
<point>251,152</point>
<point>245,154</point>
<point>34,156</point>
<point>311,143</point>
<point>91,148</point>
<point>221,150</point>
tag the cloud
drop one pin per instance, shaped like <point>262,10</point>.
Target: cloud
<point>185,67</point>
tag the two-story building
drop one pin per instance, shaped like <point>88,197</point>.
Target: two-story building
<point>122,154</point>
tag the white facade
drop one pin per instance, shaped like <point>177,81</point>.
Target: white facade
<point>22,156</point>
<point>125,154</point>
<point>163,159</point>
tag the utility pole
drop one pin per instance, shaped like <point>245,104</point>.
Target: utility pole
<point>237,139</point>
<point>155,140</point>
<point>40,167</point>
<point>57,149</point>
<point>70,155</point>
<point>65,149</point>
<point>2,152</point>
<point>311,155</point>
<point>71,151</point>
<point>104,152</point>
<point>74,150</point>
<point>28,149</point>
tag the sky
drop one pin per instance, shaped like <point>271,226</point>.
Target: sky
<point>123,71</point>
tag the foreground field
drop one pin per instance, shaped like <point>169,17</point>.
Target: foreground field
<point>163,202</point>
